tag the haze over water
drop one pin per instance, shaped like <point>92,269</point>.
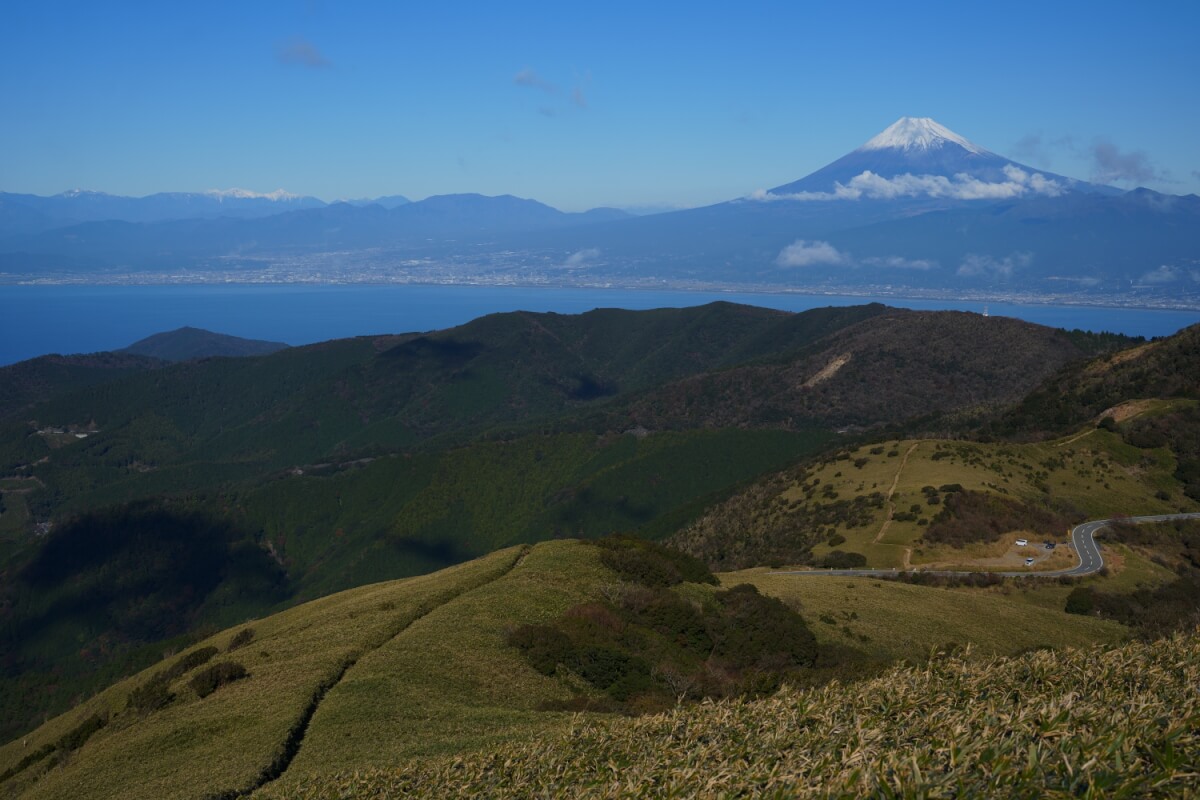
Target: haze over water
<point>37,320</point>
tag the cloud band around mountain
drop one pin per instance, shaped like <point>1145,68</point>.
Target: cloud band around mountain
<point>870,186</point>
<point>804,253</point>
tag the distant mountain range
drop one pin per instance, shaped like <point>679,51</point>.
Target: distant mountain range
<point>915,207</point>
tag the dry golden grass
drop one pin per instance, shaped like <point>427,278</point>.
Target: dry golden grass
<point>1088,723</point>
<point>889,620</point>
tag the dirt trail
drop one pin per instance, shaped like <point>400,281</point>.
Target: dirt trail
<point>895,482</point>
<point>295,736</point>
<point>1076,437</point>
<point>891,507</point>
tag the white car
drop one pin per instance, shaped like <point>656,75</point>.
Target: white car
<point>1022,542</point>
<point>1029,562</point>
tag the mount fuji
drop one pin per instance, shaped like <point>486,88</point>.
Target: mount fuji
<point>917,156</point>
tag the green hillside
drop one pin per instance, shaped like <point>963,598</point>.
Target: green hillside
<point>421,668</point>
<point>203,424</point>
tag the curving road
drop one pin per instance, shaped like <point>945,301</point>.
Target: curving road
<point>1083,539</point>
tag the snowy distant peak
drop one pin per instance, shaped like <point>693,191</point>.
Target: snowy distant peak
<point>246,194</point>
<point>919,133</point>
<point>82,193</point>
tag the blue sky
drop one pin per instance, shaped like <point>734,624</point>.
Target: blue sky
<point>612,103</point>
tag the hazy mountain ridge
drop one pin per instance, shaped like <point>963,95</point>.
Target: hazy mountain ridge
<point>918,207</point>
<point>115,241</point>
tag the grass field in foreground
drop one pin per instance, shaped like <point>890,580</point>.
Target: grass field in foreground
<point>1079,723</point>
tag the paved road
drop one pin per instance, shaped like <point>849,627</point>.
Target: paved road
<point>1083,538</point>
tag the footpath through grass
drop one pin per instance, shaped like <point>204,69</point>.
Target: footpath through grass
<point>186,746</point>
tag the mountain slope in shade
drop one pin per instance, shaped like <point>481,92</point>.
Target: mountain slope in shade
<point>919,146</point>
<point>29,382</point>
<point>187,343</point>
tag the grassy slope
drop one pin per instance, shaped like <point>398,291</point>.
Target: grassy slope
<point>1084,723</point>
<point>1093,471</point>
<point>225,741</point>
<point>889,620</point>
<point>449,683</point>
<point>446,683</point>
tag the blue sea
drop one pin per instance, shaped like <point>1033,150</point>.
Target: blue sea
<point>36,320</point>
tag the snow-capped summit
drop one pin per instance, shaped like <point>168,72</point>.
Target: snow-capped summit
<point>916,159</point>
<point>919,133</point>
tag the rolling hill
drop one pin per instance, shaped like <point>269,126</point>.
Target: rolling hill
<point>419,668</point>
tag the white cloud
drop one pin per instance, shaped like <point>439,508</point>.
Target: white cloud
<point>962,186</point>
<point>975,265</point>
<point>581,257</point>
<point>1168,274</point>
<point>801,253</point>
<point>899,262</point>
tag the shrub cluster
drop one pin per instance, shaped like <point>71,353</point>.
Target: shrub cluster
<point>1181,431</point>
<point>646,647</point>
<point>156,692</point>
<point>1152,612</point>
<point>240,639</point>
<point>968,516</point>
<point>650,647</point>
<point>838,559</point>
<point>208,680</point>
<point>650,564</point>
